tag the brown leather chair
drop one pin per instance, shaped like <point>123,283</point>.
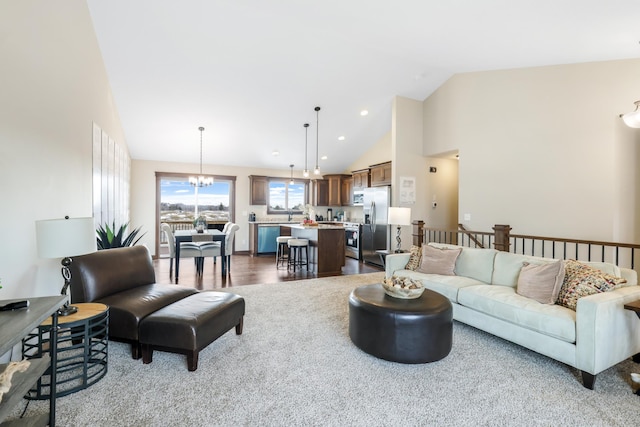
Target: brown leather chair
<point>124,280</point>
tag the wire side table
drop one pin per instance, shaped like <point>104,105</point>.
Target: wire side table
<point>82,350</point>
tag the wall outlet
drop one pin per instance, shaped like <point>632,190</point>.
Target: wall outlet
<point>467,217</point>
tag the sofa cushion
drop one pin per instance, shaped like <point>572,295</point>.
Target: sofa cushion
<point>102,273</point>
<point>127,308</point>
<point>582,280</point>
<point>438,260</point>
<point>507,266</point>
<point>444,285</point>
<point>502,302</point>
<point>475,263</point>
<point>541,282</point>
<point>415,258</point>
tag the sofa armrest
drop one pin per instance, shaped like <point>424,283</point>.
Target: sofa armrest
<point>606,333</point>
<point>395,262</point>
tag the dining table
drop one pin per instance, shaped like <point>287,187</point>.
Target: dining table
<point>187,236</point>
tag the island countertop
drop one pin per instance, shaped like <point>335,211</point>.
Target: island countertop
<point>299,226</point>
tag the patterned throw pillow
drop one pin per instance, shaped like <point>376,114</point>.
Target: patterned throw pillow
<point>414,258</point>
<point>581,280</point>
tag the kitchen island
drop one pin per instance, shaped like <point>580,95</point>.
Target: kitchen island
<point>326,246</point>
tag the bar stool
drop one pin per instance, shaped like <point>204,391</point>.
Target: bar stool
<point>282,251</point>
<point>295,253</point>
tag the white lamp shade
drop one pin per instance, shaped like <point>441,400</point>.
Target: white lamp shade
<point>399,216</point>
<point>632,119</point>
<point>59,238</point>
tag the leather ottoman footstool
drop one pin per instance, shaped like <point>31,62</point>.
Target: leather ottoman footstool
<point>190,324</point>
<point>401,330</point>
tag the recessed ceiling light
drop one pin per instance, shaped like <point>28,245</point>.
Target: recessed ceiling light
<point>323,158</point>
<point>341,138</point>
<point>364,112</point>
<point>275,153</point>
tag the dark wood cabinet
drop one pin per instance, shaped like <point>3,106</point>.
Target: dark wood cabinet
<point>336,190</point>
<point>360,179</point>
<point>380,174</point>
<point>259,188</point>
<point>321,192</point>
<point>346,195</point>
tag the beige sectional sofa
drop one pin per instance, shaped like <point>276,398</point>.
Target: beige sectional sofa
<point>599,334</point>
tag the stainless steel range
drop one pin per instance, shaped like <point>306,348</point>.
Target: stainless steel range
<point>352,240</point>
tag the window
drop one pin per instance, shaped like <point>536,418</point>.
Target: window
<point>285,197</point>
<point>179,203</point>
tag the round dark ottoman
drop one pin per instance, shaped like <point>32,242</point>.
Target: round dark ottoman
<point>401,330</point>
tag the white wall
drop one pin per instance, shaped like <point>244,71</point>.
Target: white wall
<point>443,187</point>
<point>53,87</point>
<point>543,149</point>
<point>407,159</point>
<point>380,152</point>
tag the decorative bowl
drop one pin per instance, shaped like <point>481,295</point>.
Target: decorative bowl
<point>402,287</point>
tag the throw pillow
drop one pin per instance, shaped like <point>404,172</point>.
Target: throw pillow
<point>414,258</point>
<point>581,280</point>
<point>541,282</point>
<point>438,261</point>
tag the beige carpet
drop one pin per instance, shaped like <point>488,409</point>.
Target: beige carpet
<point>295,365</point>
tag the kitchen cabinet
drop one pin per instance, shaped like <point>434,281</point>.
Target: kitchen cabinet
<point>380,174</point>
<point>258,190</point>
<point>321,192</point>
<point>336,196</point>
<point>346,195</point>
<point>17,324</point>
<point>360,179</point>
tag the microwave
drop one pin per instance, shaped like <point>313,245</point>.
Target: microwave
<point>358,198</point>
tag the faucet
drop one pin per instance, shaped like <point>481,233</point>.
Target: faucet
<point>290,217</point>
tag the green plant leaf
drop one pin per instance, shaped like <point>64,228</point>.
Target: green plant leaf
<point>112,237</point>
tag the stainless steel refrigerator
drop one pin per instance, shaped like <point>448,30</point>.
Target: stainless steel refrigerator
<point>375,231</point>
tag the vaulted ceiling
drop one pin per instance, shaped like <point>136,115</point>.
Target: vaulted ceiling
<point>252,71</point>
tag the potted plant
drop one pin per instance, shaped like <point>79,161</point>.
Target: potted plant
<point>200,224</point>
<point>108,238</point>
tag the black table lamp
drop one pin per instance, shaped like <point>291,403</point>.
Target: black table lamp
<point>61,238</point>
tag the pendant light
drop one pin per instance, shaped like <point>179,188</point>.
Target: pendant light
<point>291,181</point>
<point>305,172</point>
<point>200,181</point>
<point>316,171</point>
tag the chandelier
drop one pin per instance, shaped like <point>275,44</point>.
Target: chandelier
<point>200,181</point>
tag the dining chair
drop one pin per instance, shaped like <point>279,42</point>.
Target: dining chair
<point>215,250</point>
<point>202,241</point>
<point>228,243</point>
<point>187,249</point>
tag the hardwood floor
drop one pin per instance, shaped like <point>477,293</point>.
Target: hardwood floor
<point>245,270</point>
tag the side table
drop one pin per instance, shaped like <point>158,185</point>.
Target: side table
<point>383,255</point>
<point>82,350</point>
<point>635,306</point>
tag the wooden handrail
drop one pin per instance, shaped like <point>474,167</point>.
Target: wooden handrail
<point>621,254</point>
<point>472,237</point>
